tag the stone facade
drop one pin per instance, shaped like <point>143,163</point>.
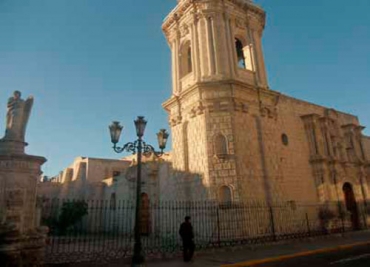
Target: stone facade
<point>229,126</point>
<point>232,135</point>
<point>234,139</point>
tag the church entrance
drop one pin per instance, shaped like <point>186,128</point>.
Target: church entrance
<point>145,215</point>
<point>351,205</point>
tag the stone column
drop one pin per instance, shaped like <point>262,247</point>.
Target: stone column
<point>195,47</point>
<point>22,240</point>
<point>210,42</point>
<point>230,43</point>
<point>260,62</point>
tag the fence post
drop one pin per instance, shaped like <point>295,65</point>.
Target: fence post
<point>362,210</point>
<point>218,226</point>
<point>365,214</point>
<point>341,214</point>
<point>272,223</point>
<point>308,225</point>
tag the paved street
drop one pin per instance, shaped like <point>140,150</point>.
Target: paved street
<point>353,257</point>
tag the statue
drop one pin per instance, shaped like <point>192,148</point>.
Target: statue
<point>17,117</point>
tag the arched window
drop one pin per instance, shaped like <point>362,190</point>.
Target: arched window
<point>244,54</point>
<point>220,146</point>
<point>285,139</point>
<point>240,53</point>
<point>225,195</point>
<point>186,63</point>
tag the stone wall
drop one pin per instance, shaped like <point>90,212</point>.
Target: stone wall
<point>83,178</point>
<point>97,168</point>
<point>366,144</point>
<point>160,181</point>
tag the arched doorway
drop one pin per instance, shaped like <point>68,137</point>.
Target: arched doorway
<point>224,195</point>
<point>145,215</point>
<point>351,205</point>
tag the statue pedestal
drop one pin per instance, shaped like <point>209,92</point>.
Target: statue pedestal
<point>12,147</point>
<point>22,241</point>
<point>21,249</point>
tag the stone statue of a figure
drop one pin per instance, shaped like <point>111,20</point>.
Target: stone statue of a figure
<point>17,117</point>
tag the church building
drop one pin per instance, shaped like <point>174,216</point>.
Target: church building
<point>235,138</point>
<point>247,140</point>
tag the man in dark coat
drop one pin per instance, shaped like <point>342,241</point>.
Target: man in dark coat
<point>187,235</point>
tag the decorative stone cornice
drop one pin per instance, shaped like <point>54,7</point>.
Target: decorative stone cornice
<point>310,118</point>
<point>20,162</point>
<point>354,127</point>
<point>177,13</point>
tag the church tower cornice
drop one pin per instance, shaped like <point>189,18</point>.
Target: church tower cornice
<point>202,7</point>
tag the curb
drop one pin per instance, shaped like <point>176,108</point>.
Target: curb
<point>296,255</point>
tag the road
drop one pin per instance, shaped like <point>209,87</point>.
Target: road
<point>353,257</point>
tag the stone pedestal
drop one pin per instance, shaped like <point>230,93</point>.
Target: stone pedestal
<point>12,147</point>
<point>21,238</point>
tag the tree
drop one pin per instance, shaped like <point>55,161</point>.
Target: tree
<point>72,212</point>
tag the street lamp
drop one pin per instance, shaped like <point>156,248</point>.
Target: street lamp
<point>139,147</point>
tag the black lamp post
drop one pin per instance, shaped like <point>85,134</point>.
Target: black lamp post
<point>139,147</point>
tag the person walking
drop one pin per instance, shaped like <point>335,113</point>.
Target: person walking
<point>187,235</point>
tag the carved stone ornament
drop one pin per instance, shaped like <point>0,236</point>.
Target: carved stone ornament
<point>175,120</point>
<point>197,110</point>
<point>269,112</point>
<point>184,30</point>
<point>240,24</point>
<point>240,106</point>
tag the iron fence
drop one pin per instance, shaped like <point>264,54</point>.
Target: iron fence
<point>102,230</point>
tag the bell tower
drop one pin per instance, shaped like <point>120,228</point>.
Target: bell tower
<point>217,68</point>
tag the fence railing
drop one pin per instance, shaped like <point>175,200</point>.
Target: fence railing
<point>102,230</point>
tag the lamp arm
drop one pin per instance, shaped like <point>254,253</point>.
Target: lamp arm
<point>148,150</point>
<point>129,147</point>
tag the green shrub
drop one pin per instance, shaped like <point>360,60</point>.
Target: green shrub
<point>71,213</point>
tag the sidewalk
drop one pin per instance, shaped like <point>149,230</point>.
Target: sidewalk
<point>222,256</point>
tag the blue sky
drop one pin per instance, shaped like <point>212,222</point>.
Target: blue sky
<point>88,62</point>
